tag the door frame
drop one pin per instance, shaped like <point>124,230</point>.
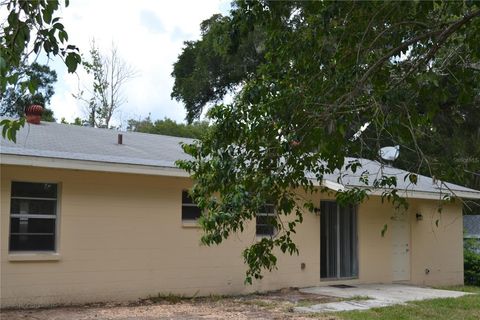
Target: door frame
<point>406,218</point>
<point>338,268</point>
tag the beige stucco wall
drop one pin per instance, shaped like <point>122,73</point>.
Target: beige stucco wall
<point>121,238</point>
<point>437,248</point>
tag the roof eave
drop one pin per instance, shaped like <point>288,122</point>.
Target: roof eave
<point>87,165</point>
<point>60,163</point>
<point>415,194</point>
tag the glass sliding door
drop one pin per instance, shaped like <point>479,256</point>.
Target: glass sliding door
<point>348,242</point>
<point>328,242</point>
<point>338,241</point>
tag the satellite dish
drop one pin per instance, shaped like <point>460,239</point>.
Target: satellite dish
<point>389,153</point>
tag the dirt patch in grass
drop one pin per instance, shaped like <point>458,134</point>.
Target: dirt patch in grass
<point>271,305</point>
<point>293,295</point>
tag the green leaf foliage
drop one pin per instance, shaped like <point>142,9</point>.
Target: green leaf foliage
<point>208,69</point>
<point>40,80</point>
<point>324,70</point>
<point>384,230</point>
<point>472,261</point>
<point>169,127</point>
<point>30,27</point>
<point>10,128</point>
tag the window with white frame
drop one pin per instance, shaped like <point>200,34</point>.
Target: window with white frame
<point>265,220</point>
<point>33,216</point>
<point>190,211</point>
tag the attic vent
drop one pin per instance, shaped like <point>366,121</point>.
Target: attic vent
<point>33,113</point>
<point>120,138</point>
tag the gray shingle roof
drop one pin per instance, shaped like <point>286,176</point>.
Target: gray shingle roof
<point>376,170</point>
<point>61,141</point>
<point>471,226</point>
<point>55,140</point>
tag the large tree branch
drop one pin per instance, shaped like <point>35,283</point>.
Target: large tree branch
<point>441,40</point>
<point>442,37</point>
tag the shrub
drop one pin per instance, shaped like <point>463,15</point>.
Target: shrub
<point>472,262</point>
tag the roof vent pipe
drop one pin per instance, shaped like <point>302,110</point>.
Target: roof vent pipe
<point>33,113</point>
<point>120,138</point>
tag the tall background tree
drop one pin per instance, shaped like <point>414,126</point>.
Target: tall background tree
<point>209,68</point>
<point>169,127</point>
<point>410,70</point>
<point>14,100</point>
<point>110,74</point>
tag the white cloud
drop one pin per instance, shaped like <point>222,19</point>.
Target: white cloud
<point>149,36</point>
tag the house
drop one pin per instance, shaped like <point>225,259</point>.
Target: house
<point>93,215</point>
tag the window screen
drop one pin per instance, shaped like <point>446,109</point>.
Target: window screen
<point>265,220</point>
<point>33,216</point>
<point>190,211</point>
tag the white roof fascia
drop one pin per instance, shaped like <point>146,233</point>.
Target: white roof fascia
<point>415,194</point>
<point>440,195</point>
<point>87,165</point>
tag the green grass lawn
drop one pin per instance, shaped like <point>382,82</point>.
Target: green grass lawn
<point>467,307</point>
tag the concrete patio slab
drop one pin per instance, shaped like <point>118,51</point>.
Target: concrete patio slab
<point>381,295</point>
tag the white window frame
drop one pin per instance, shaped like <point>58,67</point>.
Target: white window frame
<point>266,214</point>
<point>188,205</point>
<point>54,217</point>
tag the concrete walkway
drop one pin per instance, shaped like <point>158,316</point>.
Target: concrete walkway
<point>381,295</point>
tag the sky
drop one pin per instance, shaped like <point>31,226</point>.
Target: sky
<point>149,36</point>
